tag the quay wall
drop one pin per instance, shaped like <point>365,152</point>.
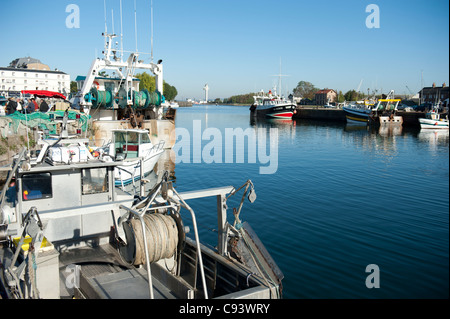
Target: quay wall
<point>326,114</point>
<point>410,119</point>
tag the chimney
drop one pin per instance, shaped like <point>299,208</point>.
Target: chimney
<point>443,85</point>
<point>434,85</point>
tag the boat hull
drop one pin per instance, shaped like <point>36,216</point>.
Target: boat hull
<point>357,116</point>
<point>433,124</point>
<point>130,171</point>
<point>278,112</point>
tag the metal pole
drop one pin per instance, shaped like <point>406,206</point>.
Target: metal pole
<point>147,258</point>
<point>194,222</point>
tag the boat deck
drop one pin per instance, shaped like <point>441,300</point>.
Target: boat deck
<point>104,275</point>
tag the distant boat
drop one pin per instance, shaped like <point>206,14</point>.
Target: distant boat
<point>328,105</point>
<point>432,120</point>
<point>272,106</point>
<point>172,105</point>
<point>130,146</point>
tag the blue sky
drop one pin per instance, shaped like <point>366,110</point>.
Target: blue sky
<point>236,46</point>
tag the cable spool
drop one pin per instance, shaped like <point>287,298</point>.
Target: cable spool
<point>141,99</point>
<point>100,98</point>
<point>121,98</point>
<point>163,238</point>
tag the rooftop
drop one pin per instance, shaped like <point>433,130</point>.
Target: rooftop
<point>30,70</point>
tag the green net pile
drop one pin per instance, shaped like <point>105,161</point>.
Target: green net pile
<point>46,121</point>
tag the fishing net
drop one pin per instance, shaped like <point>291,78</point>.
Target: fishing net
<point>46,121</point>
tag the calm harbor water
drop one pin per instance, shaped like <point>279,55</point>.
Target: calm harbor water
<point>342,198</point>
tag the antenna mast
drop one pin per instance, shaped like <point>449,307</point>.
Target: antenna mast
<point>121,33</point>
<point>135,25</point>
<point>279,80</point>
<point>151,38</point>
<point>106,26</point>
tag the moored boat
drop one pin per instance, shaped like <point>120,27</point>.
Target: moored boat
<point>433,120</point>
<point>134,148</point>
<point>383,112</point>
<point>67,232</point>
<point>272,106</point>
<point>357,114</point>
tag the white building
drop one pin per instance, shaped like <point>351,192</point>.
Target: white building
<point>30,74</point>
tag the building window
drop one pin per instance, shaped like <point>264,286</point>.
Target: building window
<point>14,73</point>
<point>36,186</point>
<point>25,75</point>
<point>37,75</point>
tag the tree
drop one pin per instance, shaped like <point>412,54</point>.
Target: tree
<point>73,87</point>
<point>305,89</point>
<point>146,82</point>
<point>340,97</point>
<point>240,99</point>
<point>170,92</point>
<point>352,95</point>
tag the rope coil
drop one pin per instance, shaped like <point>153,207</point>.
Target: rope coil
<point>162,237</point>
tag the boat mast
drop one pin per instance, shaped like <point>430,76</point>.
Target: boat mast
<point>121,33</point>
<point>151,30</point>
<point>135,26</point>
<point>279,80</point>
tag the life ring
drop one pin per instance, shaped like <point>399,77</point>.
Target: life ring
<point>97,84</point>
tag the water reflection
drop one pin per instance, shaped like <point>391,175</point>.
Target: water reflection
<point>434,138</point>
<point>286,128</point>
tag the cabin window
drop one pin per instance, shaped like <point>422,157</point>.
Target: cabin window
<point>127,144</point>
<point>36,186</point>
<point>145,138</point>
<point>94,180</point>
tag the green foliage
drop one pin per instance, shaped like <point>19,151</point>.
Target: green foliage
<point>73,87</point>
<point>352,95</point>
<point>305,89</point>
<point>340,97</point>
<point>148,82</point>
<point>240,99</point>
<point>170,92</point>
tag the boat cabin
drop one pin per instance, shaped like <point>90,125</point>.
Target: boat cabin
<point>129,143</point>
<point>84,192</point>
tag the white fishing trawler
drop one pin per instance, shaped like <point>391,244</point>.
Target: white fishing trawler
<point>433,120</point>
<point>110,93</point>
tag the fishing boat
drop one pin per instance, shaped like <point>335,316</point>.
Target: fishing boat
<point>67,232</point>
<point>433,120</point>
<point>357,113</point>
<point>134,148</point>
<point>272,106</point>
<point>383,112</point>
